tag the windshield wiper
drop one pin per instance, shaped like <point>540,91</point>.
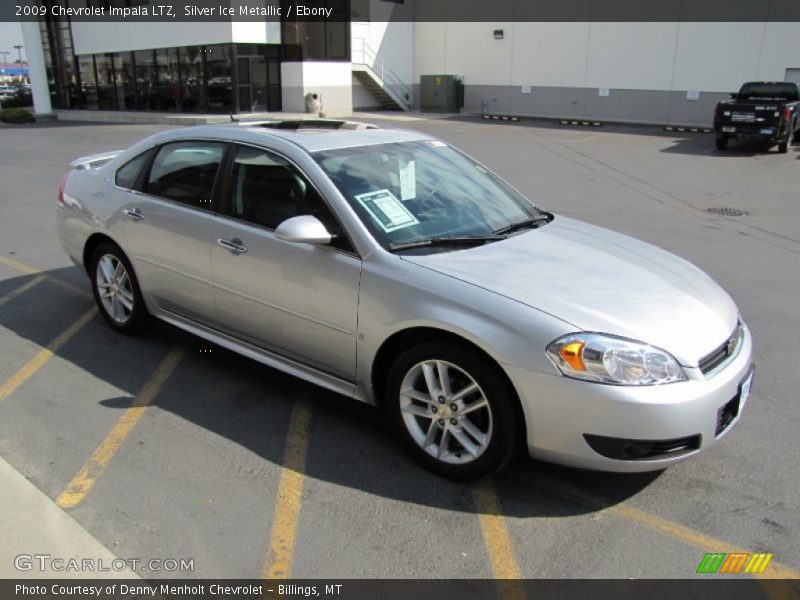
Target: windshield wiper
<point>469,240</point>
<point>531,223</point>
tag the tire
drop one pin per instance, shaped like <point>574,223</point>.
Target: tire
<point>783,147</point>
<point>116,290</point>
<point>722,142</point>
<point>796,137</point>
<point>476,443</point>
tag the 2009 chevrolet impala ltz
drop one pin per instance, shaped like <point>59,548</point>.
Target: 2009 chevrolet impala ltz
<point>388,266</point>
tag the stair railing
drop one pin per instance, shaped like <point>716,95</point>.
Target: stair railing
<point>363,54</point>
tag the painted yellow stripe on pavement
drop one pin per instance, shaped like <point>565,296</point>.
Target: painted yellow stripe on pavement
<point>681,532</point>
<point>44,355</point>
<point>29,270</point>
<point>83,482</point>
<point>497,540</point>
<point>21,289</point>
<point>278,562</point>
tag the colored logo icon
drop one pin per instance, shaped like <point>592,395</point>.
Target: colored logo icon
<point>735,562</point>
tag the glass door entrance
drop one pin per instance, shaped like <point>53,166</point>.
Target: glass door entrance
<point>259,83</point>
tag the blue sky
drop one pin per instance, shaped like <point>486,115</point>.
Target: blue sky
<point>10,36</point>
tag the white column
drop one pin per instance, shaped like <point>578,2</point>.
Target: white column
<point>36,65</point>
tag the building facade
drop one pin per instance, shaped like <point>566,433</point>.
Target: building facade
<point>376,54</point>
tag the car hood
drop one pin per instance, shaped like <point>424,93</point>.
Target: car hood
<point>601,281</point>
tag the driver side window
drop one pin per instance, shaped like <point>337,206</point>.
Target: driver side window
<point>266,190</point>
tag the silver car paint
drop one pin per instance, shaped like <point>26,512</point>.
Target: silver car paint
<point>510,299</point>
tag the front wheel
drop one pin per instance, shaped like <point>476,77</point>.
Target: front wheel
<point>116,290</point>
<point>454,409</point>
<point>722,142</point>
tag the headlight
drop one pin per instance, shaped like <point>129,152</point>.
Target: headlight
<point>609,359</point>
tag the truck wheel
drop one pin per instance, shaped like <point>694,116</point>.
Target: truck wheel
<point>722,142</point>
<point>783,147</point>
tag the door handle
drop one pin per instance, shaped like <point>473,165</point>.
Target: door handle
<point>134,213</point>
<point>235,245</point>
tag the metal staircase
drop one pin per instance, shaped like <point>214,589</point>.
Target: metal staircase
<point>379,79</point>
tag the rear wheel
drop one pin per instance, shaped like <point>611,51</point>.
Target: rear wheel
<point>783,147</point>
<point>116,290</point>
<point>722,142</point>
<point>455,411</point>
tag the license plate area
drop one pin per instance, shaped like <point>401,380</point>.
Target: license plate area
<point>729,129</point>
<point>728,413</point>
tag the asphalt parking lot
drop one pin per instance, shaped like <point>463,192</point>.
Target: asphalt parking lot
<point>164,446</point>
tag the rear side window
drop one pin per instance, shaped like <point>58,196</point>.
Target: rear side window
<point>128,174</point>
<point>768,91</point>
<point>185,172</point>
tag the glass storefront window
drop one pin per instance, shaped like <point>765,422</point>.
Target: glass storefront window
<point>106,98</point>
<point>88,91</point>
<point>220,78</point>
<point>170,93</point>
<point>146,79</point>
<point>125,81</point>
<point>194,97</point>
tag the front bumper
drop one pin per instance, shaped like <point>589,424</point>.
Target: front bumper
<point>560,411</point>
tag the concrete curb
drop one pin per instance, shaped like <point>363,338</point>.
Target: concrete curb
<point>32,524</point>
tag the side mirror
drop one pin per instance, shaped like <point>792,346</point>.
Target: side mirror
<point>305,229</point>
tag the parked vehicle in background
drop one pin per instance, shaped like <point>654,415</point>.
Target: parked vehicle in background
<point>6,92</point>
<point>761,110</point>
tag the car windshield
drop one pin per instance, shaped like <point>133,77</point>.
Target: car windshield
<point>413,192</point>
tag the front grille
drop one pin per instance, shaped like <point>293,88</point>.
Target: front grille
<point>723,353</point>
<point>625,449</point>
<point>726,415</point>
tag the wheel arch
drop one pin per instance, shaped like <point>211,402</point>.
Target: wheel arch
<point>91,244</point>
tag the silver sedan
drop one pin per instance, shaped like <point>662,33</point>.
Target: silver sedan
<point>388,266</point>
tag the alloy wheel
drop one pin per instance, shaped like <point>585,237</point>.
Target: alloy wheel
<point>446,411</point>
<point>114,288</point>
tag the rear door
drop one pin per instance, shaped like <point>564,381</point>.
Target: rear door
<point>297,300</point>
<point>168,227</point>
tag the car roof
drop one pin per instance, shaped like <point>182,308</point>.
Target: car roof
<point>311,135</point>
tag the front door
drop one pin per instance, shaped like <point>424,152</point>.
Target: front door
<point>297,300</point>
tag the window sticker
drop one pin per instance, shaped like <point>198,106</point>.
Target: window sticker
<point>387,210</point>
<point>408,180</point>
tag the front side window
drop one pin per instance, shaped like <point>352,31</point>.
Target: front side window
<point>128,174</point>
<point>412,192</point>
<point>266,190</point>
<point>185,172</point>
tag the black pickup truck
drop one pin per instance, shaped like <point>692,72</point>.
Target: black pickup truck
<point>762,110</point>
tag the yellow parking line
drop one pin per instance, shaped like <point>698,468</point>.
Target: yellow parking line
<point>705,542</point>
<point>21,289</point>
<point>278,561</point>
<point>29,270</point>
<point>497,540</point>
<point>44,355</point>
<point>83,482</point>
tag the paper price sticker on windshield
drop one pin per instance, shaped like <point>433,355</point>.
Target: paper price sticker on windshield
<point>408,180</point>
<point>387,210</point>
